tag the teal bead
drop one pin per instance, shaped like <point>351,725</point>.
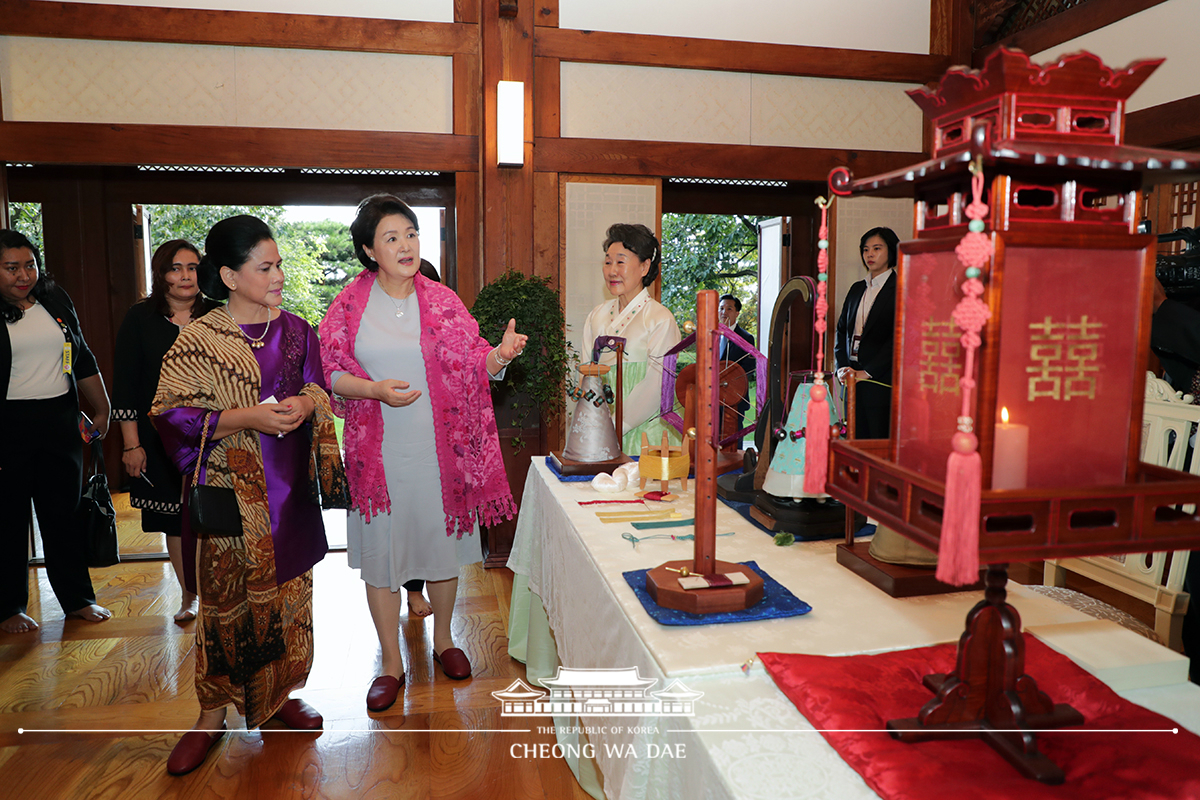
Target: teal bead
<point>973,272</point>
<point>822,244</point>
<point>975,226</point>
<point>822,277</point>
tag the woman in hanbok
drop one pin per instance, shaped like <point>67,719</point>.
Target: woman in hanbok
<point>243,390</point>
<point>631,263</point>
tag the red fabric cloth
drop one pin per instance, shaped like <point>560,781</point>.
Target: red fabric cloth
<point>857,693</point>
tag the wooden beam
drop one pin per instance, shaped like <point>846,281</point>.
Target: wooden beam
<point>951,30</point>
<point>687,159</point>
<point>233,28</point>
<point>545,13</point>
<point>1070,24</point>
<point>1174,125</point>
<point>771,59</point>
<point>98,143</point>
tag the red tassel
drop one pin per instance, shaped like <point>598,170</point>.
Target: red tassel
<point>816,440</point>
<point>958,551</point>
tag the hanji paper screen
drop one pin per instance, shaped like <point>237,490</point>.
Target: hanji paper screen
<point>1067,361</point>
<point>929,363</point>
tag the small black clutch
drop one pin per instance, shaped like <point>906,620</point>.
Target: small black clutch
<point>212,510</point>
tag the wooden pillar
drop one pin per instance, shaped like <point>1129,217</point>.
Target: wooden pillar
<point>506,192</point>
<point>952,30</point>
<point>5,220</point>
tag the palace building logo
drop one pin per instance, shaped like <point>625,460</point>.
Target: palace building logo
<point>621,692</point>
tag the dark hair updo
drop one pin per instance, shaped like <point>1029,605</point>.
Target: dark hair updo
<point>639,240</point>
<point>889,238</point>
<point>229,244</point>
<point>370,212</point>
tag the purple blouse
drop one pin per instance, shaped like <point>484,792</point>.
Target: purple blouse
<point>289,358</point>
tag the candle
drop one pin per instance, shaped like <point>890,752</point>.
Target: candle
<point>1010,458</point>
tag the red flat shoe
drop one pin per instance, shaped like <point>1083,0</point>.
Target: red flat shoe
<point>383,692</point>
<point>454,663</point>
<point>299,716</point>
<point>191,750</point>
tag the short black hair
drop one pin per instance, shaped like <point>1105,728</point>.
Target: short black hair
<point>736,303</point>
<point>889,238</point>
<point>370,212</point>
<point>639,240</point>
<point>229,244</point>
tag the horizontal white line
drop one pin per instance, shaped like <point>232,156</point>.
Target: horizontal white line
<point>23,731</point>
<point>933,730</point>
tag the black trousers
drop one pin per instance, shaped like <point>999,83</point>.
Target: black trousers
<point>1191,620</point>
<point>42,459</point>
<point>873,410</point>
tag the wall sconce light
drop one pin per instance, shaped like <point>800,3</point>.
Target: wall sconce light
<point>510,123</point>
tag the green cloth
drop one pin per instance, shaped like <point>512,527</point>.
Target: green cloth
<point>633,372</point>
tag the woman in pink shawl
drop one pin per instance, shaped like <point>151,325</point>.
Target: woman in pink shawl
<point>409,372</point>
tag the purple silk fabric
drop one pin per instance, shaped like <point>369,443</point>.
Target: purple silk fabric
<point>290,358</point>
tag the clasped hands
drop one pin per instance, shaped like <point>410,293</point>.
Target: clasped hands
<point>859,374</point>
<point>283,417</point>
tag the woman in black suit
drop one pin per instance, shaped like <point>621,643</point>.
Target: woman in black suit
<point>44,365</point>
<point>865,333</point>
<point>143,340</point>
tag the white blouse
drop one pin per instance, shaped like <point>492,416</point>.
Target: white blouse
<point>37,357</point>
<point>650,331</point>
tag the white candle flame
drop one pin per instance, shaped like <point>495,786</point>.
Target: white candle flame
<point>1004,415</point>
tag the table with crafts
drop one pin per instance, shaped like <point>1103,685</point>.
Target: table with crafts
<point>572,606</point>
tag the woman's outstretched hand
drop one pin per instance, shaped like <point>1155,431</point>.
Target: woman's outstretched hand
<point>513,343</point>
<point>391,392</point>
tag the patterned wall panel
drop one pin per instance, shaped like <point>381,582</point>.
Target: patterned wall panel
<point>899,26</point>
<point>72,80</point>
<point>607,101</point>
<point>354,91</point>
<point>817,112</point>
<point>59,80</point>
<point>674,105</point>
<point>427,10</point>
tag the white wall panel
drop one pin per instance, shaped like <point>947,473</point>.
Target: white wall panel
<point>898,26</point>
<point>1167,30</point>
<point>417,10</point>
<point>676,105</point>
<point>70,80</point>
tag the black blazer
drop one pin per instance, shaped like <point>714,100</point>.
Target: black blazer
<point>60,307</point>
<point>737,355</point>
<point>875,351</point>
<point>1175,339</point>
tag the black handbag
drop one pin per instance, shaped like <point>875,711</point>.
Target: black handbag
<point>97,516</point>
<point>212,510</point>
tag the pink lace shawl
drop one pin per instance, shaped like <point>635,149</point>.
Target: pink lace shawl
<point>474,484</point>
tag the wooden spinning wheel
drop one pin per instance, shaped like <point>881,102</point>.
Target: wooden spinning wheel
<point>733,386</point>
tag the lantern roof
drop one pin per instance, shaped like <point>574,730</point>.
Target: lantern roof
<point>1019,117</point>
<point>1009,71</point>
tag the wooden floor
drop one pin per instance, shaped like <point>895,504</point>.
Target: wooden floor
<point>101,704</point>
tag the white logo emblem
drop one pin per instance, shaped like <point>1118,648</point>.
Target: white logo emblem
<point>618,692</point>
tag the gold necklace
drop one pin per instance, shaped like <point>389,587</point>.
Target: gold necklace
<point>255,343</point>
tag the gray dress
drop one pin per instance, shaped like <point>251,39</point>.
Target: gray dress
<point>411,541</point>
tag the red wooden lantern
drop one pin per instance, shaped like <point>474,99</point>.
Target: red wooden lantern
<point>1069,290</point>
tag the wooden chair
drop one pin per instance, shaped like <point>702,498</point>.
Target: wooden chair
<point>1169,423</point>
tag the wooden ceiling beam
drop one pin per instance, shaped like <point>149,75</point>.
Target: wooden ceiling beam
<point>233,28</point>
<point>642,50</point>
<point>693,160</point>
<point>102,143</point>
<point>1068,25</point>
<point>1174,125</point>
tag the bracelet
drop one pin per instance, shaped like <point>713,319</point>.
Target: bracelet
<point>131,449</point>
<point>500,359</point>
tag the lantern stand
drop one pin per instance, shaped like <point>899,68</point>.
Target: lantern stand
<point>662,582</point>
<point>1063,205</point>
<point>894,580</point>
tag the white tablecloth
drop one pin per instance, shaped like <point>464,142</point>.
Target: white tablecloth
<point>746,740</point>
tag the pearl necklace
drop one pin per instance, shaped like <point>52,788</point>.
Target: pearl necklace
<point>255,343</point>
<point>402,306</point>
